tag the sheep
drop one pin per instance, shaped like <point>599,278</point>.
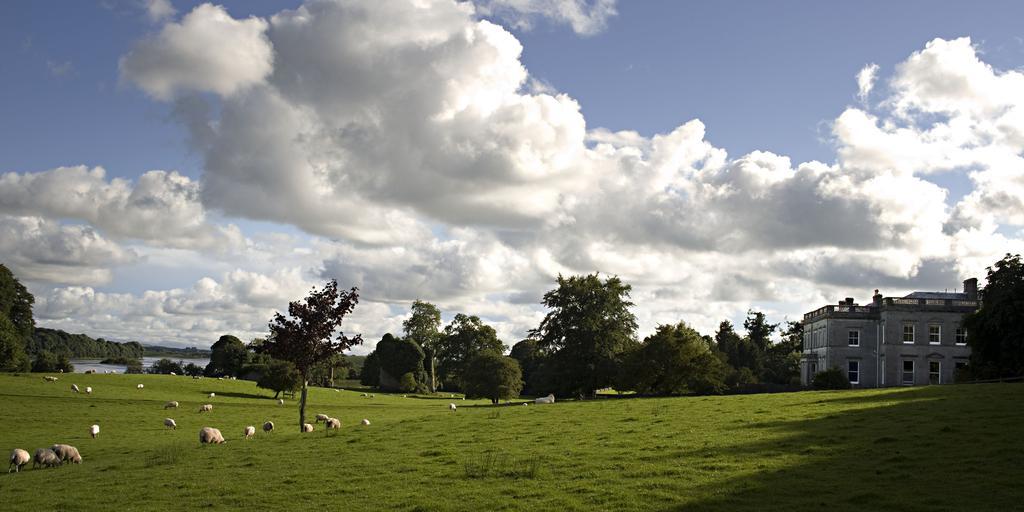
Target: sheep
<point>306,427</point>
<point>196,377</point>
<point>74,387</point>
<point>249,432</point>
<point>451,407</point>
<point>88,390</point>
<point>366,422</point>
<point>172,373</point>
<point>363,395</point>
<point>213,395</point>
<point>140,386</point>
<point>66,452</point>
<point>332,423</point>
<point>268,427</point>
<point>206,408</point>
<point>321,417</point>
<point>94,431</point>
<point>550,399</point>
<point>49,378</point>
<point>168,422</point>
<point>372,395</point>
<point>210,435</point>
<point>19,458</point>
<point>280,401</point>
<point>525,403</point>
<point>45,457</point>
<point>171,405</point>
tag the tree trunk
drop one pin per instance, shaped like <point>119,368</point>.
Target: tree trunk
<point>302,403</point>
<point>433,370</point>
<point>332,376</point>
<point>278,392</point>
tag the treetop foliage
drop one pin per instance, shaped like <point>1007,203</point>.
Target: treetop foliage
<point>312,330</point>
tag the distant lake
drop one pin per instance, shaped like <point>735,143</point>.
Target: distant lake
<point>81,365</point>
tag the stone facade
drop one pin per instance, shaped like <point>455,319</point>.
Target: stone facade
<point>894,341</point>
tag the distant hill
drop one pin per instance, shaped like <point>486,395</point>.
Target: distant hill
<point>173,352</point>
<point>80,345</point>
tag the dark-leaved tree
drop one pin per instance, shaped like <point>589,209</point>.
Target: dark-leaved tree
<point>227,357</point>
<point>167,366</point>
<point>279,376</point>
<point>312,332</point>
<point>493,376</point>
<point>465,337</point>
<point>529,357</point>
<point>675,360</point>
<point>399,358</point>
<point>16,323</point>
<point>995,332</point>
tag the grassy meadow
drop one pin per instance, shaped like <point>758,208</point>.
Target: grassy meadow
<point>927,448</point>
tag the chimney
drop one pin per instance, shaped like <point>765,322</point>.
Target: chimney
<point>971,288</point>
<point>848,301</point>
<point>876,299</point>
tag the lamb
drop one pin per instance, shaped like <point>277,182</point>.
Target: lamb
<point>94,431</point>
<point>366,422</point>
<point>550,399</point>
<point>168,422</point>
<point>140,386</point>
<point>66,452</point>
<point>306,427</point>
<point>280,401</point>
<point>250,431</point>
<point>206,408</point>
<point>19,458</point>
<point>74,387</point>
<point>88,390</point>
<point>210,435</point>
<point>213,395</point>
<point>332,423</point>
<point>268,427</point>
<point>45,457</point>
<point>171,405</point>
<point>321,417</point>
<point>451,407</point>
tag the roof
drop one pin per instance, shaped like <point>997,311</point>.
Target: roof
<point>937,295</point>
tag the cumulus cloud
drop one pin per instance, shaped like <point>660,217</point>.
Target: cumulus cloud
<point>158,10</point>
<point>866,81</point>
<point>208,51</point>
<point>586,17</point>
<point>41,250</point>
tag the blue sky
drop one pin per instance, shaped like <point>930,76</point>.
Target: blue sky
<point>764,78</point>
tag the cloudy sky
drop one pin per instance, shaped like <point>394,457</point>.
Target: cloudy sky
<point>171,171</point>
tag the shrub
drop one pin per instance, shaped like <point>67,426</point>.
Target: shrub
<point>833,378</point>
<point>133,366</point>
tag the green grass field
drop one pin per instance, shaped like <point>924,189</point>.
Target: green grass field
<point>931,448</point>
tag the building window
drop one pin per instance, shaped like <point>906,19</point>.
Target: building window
<point>908,333</point>
<point>853,372</point>
<point>853,338</point>
<point>934,372</point>
<point>908,372</point>
<point>961,336</point>
<point>813,371</point>
<point>934,334</point>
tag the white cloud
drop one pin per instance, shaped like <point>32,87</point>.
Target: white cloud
<point>207,51</point>
<point>866,81</point>
<point>40,250</point>
<point>159,10</point>
<point>586,17</point>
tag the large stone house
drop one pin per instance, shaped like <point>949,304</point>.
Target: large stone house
<point>894,341</point>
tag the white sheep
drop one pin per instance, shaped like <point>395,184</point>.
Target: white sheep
<point>366,422</point>
<point>206,408</point>
<point>525,403</point>
<point>321,417</point>
<point>49,378</point>
<point>19,458</point>
<point>372,395</point>
<point>74,387</point>
<point>88,390</point>
<point>213,395</point>
<point>94,431</point>
<point>45,457</point>
<point>210,435</point>
<point>250,431</point>
<point>172,373</point>
<point>169,422</point>
<point>171,405</point>
<point>550,399</point>
<point>363,395</point>
<point>140,386</point>
<point>452,408</point>
<point>280,401</point>
<point>306,427</point>
<point>66,452</point>
<point>332,423</point>
<point>268,427</point>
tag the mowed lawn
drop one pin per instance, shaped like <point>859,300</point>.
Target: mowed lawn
<point>928,448</point>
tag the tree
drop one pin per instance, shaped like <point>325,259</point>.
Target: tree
<point>16,323</point>
<point>739,352</point>
<point>398,357</point>
<point>12,348</point>
<point>759,331</point>
<point>465,337</point>
<point>166,366</point>
<point>133,366</point>
<point>995,331</point>
<point>588,328</point>
<point>227,357</point>
<point>370,375</point>
<point>192,369</point>
<point>528,354</point>
<point>48,362</point>
<point>423,327</point>
<point>305,337</point>
<point>279,376</point>
<point>782,361</point>
<point>492,375</point>
<point>675,360</point>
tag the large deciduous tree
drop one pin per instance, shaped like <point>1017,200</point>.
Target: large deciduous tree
<point>227,357</point>
<point>530,358</point>
<point>311,332</point>
<point>423,327</point>
<point>279,376</point>
<point>995,332</point>
<point>675,360</point>
<point>465,337</point>
<point>402,361</point>
<point>16,323</point>
<point>588,328</point>
<point>493,376</point>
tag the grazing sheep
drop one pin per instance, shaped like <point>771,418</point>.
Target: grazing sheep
<point>280,401</point>
<point>210,435</point>
<point>220,378</point>
<point>366,422</point>
<point>332,423</point>
<point>88,390</point>
<point>525,403</point>
<point>94,431</point>
<point>451,407</point>
<point>74,387</point>
<point>363,395</point>
<point>168,422</point>
<point>250,431</point>
<point>172,373</point>
<point>306,427</point>
<point>171,405</point>
<point>49,378</point>
<point>66,452</point>
<point>196,377</point>
<point>550,399</point>
<point>19,458</point>
<point>45,457</point>
<point>213,395</point>
<point>140,386</point>
<point>372,395</point>
<point>321,417</point>
<point>268,427</point>
<point>206,408</point>
<point>463,398</point>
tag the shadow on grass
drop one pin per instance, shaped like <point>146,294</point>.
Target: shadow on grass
<point>920,449</point>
